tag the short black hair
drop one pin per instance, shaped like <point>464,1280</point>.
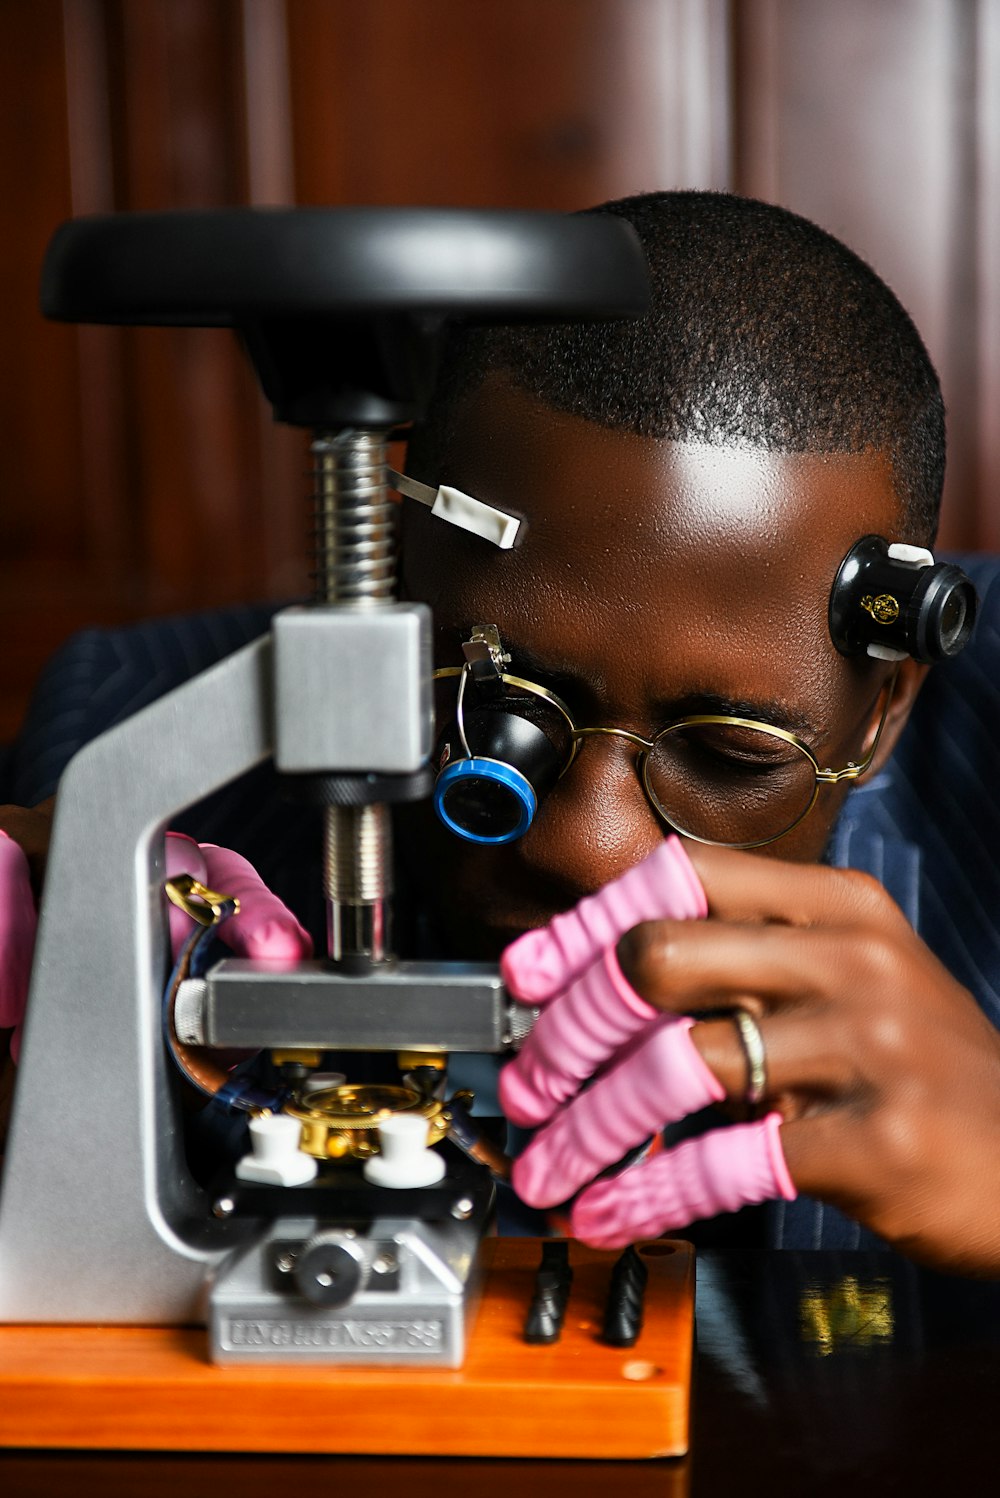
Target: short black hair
<point>764,329</point>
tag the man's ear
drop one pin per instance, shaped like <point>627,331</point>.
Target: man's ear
<point>910,677</point>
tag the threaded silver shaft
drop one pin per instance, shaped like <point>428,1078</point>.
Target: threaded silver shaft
<point>354,866</point>
<point>357,881</point>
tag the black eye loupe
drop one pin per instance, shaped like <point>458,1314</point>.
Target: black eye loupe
<point>892,601</point>
<point>492,794</point>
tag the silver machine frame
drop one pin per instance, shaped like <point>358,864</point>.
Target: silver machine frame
<point>101,1219</point>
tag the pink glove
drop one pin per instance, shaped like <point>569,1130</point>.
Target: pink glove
<point>718,1172</point>
<point>539,964</point>
<point>264,926</point>
<point>18,921</point>
<point>592,1017</point>
<point>596,1011</point>
<point>657,1080</point>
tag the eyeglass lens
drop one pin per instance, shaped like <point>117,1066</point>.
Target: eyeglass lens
<point>729,784</point>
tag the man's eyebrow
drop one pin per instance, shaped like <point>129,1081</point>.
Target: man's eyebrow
<point>774,712</point>
<point>563,680</point>
<point>524,663</point>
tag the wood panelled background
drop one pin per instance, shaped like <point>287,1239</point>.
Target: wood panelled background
<point>140,471</point>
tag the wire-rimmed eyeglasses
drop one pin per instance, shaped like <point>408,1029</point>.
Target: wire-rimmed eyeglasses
<point>713,777</point>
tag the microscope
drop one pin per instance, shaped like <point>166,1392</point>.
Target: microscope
<point>342,1239</point>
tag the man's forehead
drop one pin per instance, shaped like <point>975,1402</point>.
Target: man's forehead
<point>569,476</point>
<point>650,562</point>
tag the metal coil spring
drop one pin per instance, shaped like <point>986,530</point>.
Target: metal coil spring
<point>354,526</point>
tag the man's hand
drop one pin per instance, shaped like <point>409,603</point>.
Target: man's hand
<point>31,828</point>
<point>597,1011</point>
<point>24,846</point>
<point>883,1069</point>
<point>264,927</point>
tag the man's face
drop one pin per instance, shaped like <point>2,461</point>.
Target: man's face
<point>657,579</point>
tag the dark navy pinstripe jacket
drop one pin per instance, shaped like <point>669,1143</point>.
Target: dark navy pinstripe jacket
<point>928,827</point>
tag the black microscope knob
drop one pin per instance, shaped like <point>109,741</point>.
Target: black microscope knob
<point>332,1268</point>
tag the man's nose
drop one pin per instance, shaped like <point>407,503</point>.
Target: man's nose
<point>597,821</point>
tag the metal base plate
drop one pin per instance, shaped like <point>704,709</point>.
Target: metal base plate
<point>395,1290</point>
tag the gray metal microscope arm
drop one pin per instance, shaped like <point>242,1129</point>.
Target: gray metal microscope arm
<point>99,1217</point>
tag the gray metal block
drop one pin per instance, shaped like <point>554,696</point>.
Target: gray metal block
<point>423,1319</point>
<point>352,689</point>
<point>409,1006</point>
<point>105,1223</point>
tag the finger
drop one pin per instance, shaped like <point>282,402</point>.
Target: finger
<point>802,1057</point>
<point>719,1172</point>
<point>18,922</point>
<point>688,967</point>
<point>659,1079</point>
<point>540,963</point>
<point>264,926</point>
<point>571,1038</point>
<point>182,856</point>
<point>862,1162</point>
<point>743,886</point>
<point>830,1153</point>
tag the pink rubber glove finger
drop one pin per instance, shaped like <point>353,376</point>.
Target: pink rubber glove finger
<point>18,923</point>
<point>264,927</point>
<point>661,1078</point>
<point>183,856</point>
<point>719,1172</point>
<point>590,1022</point>
<point>664,886</point>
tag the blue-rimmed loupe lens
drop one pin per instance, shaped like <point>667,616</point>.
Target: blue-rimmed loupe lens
<point>484,801</point>
<point>491,795</point>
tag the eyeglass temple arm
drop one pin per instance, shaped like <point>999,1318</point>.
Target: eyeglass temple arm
<point>855,771</point>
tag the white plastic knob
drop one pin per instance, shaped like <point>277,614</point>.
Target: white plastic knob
<point>901,551</point>
<point>405,1159</point>
<point>275,1158</point>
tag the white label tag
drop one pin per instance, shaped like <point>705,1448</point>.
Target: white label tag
<point>461,509</point>
<point>473,515</point>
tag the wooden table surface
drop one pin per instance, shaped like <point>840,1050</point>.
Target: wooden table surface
<point>155,1387</point>
<point>815,1374</point>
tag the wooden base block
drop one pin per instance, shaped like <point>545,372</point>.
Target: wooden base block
<point>153,1388</point>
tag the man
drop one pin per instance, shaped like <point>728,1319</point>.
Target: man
<point>690,484</point>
